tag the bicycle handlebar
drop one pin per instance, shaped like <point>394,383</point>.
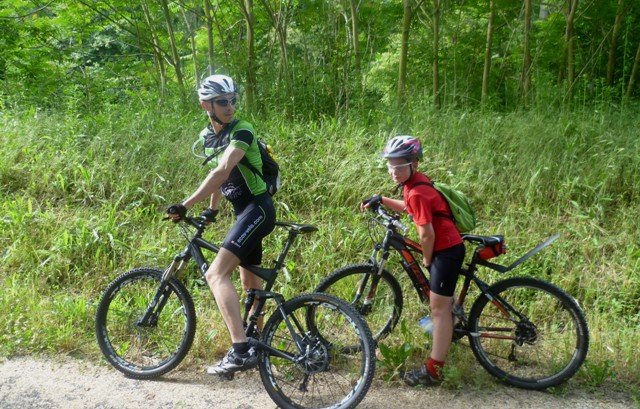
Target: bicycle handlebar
<point>390,220</point>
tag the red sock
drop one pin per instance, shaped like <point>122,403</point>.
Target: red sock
<point>434,368</point>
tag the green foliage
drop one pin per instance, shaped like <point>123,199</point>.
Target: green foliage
<point>82,197</point>
<point>394,357</point>
<point>78,55</point>
<point>596,374</point>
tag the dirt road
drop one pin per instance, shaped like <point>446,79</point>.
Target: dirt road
<point>44,383</point>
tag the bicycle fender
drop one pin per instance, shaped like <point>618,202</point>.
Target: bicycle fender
<point>532,252</point>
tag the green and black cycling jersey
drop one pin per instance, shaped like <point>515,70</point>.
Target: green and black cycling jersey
<point>243,185</point>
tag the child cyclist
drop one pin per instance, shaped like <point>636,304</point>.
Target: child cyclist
<point>442,247</point>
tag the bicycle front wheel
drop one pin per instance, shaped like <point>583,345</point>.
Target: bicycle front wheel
<point>531,335</point>
<point>353,284</point>
<point>310,360</point>
<point>139,335</point>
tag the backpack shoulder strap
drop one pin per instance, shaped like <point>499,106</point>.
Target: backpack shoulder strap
<point>442,214</point>
<point>423,184</point>
<point>226,134</point>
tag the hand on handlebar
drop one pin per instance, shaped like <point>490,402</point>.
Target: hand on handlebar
<point>372,202</point>
<point>209,215</point>
<point>176,212</point>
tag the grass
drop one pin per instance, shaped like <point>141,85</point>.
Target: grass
<point>82,198</point>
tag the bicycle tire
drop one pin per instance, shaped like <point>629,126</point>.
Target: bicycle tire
<point>384,313</point>
<point>327,377</point>
<point>546,348</point>
<point>144,352</point>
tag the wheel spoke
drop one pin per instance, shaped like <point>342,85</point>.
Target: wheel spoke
<point>144,351</point>
<point>543,348</point>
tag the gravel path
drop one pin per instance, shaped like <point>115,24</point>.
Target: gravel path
<point>43,383</point>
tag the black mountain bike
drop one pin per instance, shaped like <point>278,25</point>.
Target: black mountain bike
<point>524,331</point>
<point>315,351</point>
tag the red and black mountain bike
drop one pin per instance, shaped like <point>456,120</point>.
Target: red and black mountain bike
<point>523,330</point>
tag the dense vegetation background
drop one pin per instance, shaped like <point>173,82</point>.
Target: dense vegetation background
<point>531,107</point>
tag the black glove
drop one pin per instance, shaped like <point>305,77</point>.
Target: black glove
<point>373,201</point>
<point>209,214</point>
<point>178,209</point>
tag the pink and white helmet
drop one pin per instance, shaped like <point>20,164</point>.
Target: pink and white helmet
<point>403,146</point>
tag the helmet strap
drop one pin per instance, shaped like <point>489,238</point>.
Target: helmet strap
<point>212,115</point>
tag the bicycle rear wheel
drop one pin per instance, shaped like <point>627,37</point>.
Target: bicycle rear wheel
<point>539,342</point>
<point>318,372</point>
<point>383,312</point>
<point>144,349</point>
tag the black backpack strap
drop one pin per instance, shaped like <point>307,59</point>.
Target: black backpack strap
<point>226,131</point>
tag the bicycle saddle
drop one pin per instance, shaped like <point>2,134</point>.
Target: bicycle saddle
<point>298,228</point>
<point>486,240</point>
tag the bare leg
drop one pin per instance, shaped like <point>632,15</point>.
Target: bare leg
<point>218,277</point>
<point>441,307</point>
<point>250,280</point>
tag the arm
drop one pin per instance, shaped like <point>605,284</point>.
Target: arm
<point>427,239</point>
<point>215,200</point>
<point>216,177</point>
<point>393,204</point>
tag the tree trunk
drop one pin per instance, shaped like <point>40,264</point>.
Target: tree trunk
<point>436,60</point>
<point>157,53</point>
<point>568,63</point>
<point>174,48</point>
<point>279,24</point>
<point>571,65</point>
<point>209,24</point>
<point>525,79</point>
<point>192,43</point>
<point>617,25</point>
<point>354,34</point>
<point>404,48</point>
<point>486,72</point>
<point>250,94</point>
<point>634,73</point>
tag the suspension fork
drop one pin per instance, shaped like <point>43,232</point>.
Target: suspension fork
<point>160,298</point>
<point>377,268</point>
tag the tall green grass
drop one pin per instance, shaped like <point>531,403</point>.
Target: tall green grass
<point>82,197</point>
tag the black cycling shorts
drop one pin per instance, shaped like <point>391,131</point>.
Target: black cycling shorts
<point>254,222</point>
<point>445,268</point>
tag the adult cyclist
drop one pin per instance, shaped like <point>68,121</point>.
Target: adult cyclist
<point>442,247</point>
<point>227,141</point>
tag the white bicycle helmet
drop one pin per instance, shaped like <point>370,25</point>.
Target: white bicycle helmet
<point>216,85</point>
<point>403,146</point>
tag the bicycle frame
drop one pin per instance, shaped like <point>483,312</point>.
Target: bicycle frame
<point>194,250</point>
<point>406,247</point>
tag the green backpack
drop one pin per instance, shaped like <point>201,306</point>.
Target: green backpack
<point>463,214</point>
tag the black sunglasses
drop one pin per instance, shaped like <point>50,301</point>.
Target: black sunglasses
<point>225,102</point>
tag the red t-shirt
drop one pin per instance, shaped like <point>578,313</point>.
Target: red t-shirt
<point>426,205</point>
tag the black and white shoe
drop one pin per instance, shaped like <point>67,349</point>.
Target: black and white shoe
<point>235,362</point>
<point>420,376</point>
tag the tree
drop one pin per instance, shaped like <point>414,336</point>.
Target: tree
<point>174,47</point>
<point>634,73</point>
<point>525,79</point>
<point>611,64</point>
<point>209,26</point>
<point>486,72</point>
<point>246,6</point>
<point>354,35</point>
<point>407,13</point>
<point>279,21</point>
<point>568,49</point>
<point>436,49</point>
